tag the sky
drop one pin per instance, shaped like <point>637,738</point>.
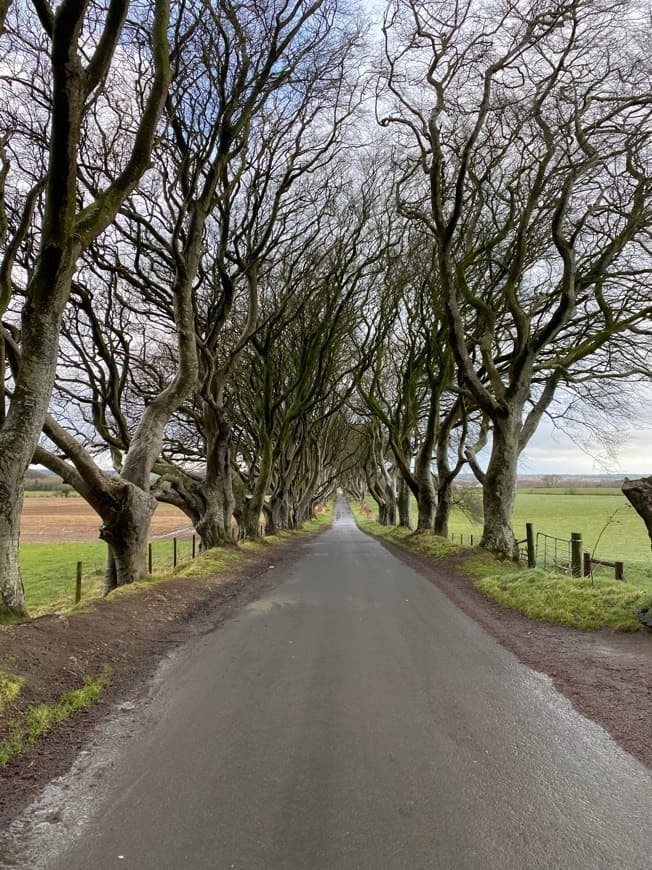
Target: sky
<point>553,452</point>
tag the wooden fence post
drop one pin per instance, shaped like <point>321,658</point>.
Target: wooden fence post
<point>619,570</point>
<point>78,584</point>
<point>174,552</point>
<point>531,546</point>
<point>576,554</point>
<point>150,560</point>
<point>193,546</point>
<point>587,564</point>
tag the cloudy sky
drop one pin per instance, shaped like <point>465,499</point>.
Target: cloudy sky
<point>553,452</point>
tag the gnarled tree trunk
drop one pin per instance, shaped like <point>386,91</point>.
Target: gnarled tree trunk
<point>126,531</point>
<point>499,488</point>
<point>444,506</point>
<point>404,518</point>
<point>639,494</point>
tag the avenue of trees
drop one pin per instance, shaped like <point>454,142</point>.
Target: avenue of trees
<point>225,285</point>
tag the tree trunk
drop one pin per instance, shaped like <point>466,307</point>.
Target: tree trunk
<point>270,524</point>
<point>391,508</point>
<point>404,517</point>
<point>12,593</point>
<point>254,507</point>
<point>427,494</point>
<point>20,432</point>
<point>444,506</point>
<point>214,523</point>
<point>499,489</point>
<point>639,494</point>
<point>126,532</point>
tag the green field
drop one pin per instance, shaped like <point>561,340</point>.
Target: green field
<point>610,527</point>
<point>50,571</point>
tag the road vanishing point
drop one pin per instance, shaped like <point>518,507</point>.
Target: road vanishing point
<point>352,719</point>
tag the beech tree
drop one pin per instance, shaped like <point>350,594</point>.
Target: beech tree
<point>186,254</point>
<point>532,133</point>
<point>639,494</point>
<point>302,359</point>
<point>59,59</point>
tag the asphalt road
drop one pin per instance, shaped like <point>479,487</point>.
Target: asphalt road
<point>353,719</point>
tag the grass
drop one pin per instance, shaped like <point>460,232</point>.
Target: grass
<point>576,602</point>
<point>580,603</point>
<point>50,570</point>
<point>587,511</point>
<point>23,731</point>
<point>10,686</point>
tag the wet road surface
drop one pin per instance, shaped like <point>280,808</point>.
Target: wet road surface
<point>352,719</point>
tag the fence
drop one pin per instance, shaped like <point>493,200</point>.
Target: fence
<point>163,555</point>
<point>565,555</point>
<point>556,553</point>
<point>561,555</point>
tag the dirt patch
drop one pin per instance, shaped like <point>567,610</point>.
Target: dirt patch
<point>607,676</point>
<point>130,633</point>
<point>52,519</point>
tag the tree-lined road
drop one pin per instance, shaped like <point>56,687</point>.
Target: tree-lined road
<point>355,718</point>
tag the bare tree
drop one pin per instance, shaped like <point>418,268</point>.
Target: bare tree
<point>72,51</point>
<point>639,494</point>
<point>532,132</point>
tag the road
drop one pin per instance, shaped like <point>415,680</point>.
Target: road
<point>353,719</point>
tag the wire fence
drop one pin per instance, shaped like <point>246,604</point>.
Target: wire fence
<point>164,554</point>
<point>559,555</point>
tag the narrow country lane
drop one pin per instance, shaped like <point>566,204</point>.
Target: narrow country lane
<point>353,719</point>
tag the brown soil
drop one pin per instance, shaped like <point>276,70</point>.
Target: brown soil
<point>608,677</point>
<point>47,519</point>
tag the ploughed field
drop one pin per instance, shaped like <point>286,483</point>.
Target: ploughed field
<point>55,519</point>
<point>59,532</point>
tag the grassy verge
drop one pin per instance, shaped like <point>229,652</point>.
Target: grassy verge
<point>580,603</point>
<point>49,570</point>
<point>24,730</point>
<point>10,686</point>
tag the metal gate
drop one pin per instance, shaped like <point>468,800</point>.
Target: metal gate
<point>553,554</point>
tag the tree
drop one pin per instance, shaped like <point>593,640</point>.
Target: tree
<point>57,221</point>
<point>639,494</point>
<point>269,198</point>
<point>532,134</point>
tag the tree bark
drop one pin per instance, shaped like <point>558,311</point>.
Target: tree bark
<point>255,505</point>
<point>126,532</point>
<point>404,517</point>
<point>12,593</point>
<point>427,494</point>
<point>499,489</point>
<point>639,494</point>
<point>444,506</point>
